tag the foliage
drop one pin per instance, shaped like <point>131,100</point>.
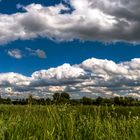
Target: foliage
<point>64,98</point>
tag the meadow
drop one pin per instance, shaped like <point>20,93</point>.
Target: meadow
<point>66,122</point>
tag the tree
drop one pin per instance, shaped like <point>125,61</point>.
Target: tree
<point>99,101</point>
<point>48,101</point>
<point>61,97</point>
<point>86,101</point>
<point>30,100</point>
<point>65,96</point>
<point>56,97</point>
<point>117,101</point>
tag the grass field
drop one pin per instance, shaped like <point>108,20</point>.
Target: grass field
<point>69,123</point>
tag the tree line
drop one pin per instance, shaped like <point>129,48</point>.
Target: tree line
<point>64,98</point>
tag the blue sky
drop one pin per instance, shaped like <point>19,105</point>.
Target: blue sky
<point>59,53</point>
<point>40,35</point>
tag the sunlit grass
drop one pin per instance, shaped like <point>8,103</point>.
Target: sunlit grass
<point>69,123</point>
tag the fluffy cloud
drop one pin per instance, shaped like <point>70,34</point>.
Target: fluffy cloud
<point>13,79</point>
<point>102,20</point>
<point>16,53</point>
<point>39,53</point>
<point>92,78</point>
<point>62,75</point>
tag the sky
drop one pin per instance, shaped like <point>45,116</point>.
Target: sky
<point>83,47</point>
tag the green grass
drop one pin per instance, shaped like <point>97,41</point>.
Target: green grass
<point>69,123</point>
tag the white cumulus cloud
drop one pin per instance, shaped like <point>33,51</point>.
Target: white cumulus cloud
<point>15,53</point>
<point>18,54</point>
<point>39,53</point>
<point>102,20</point>
<point>93,77</point>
